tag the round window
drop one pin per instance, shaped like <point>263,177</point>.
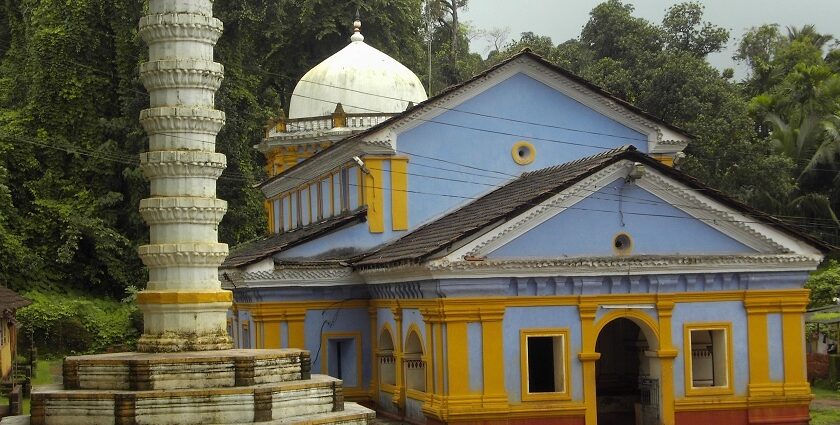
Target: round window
<point>523,153</point>
<point>622,244</point>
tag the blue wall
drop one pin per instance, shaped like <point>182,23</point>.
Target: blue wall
<point>518,318</point>
<point>475,355</point>
<point>775,349</point>
<point>712,312</point>
<point>338,320</point>
<point>435,191</point>
<point>522,98</point>
<point>588,228</point>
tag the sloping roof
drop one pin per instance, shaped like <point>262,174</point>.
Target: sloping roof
<point>10,300</point>
<point>259,249</point>
<point>447,91</point>
<point>528,191</point>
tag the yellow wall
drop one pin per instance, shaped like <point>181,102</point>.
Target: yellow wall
<point>6,351</point>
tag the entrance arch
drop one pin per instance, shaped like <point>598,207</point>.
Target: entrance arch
<point>627,375</point>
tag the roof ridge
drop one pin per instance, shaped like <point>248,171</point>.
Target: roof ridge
<point>599,155</point>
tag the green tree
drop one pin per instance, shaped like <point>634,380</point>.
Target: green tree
<point>685,30</point>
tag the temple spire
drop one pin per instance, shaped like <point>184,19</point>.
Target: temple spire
<point>357,29</point>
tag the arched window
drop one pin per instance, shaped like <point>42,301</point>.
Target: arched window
<point>415,366</point>
<point>387,367</point>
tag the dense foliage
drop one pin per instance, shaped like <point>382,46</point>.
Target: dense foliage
<point>73,324</point>
<point>70,98</point>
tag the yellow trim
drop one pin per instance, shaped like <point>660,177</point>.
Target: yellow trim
<point>438,336</point>
<point>691,390</point>
<point>297,336</point>
<point>287,217</point>
<point>269,210</point>
<point>694,404</point>
<point>399,193</point>
<point>387,328</point>
<point>526,395</point>
<point>667,353</point>
<point>493,362</point>
<point>416,329</point>
<point>665,159</point>
<point>457,359</point>
<point>357,337</point>
<point>758,351</point>
<point>271,334</point>
<point>149,297</point>
<point>373,387</point>
<point>520,159</point>
<point>633,315</point>
<point>428,358</point>
<point>793,344</point>
<point>374,195</point>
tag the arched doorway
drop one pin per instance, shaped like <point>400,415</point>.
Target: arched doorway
<point>626,376</point>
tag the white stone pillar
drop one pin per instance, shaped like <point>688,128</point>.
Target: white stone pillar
<point>184,307</point>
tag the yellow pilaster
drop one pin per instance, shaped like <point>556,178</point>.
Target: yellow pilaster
<point>757,309</point>
<point>399,394</point>
<point>793,336</point>
<point>271,334</point>
<point>399,193</point>
<point>258,334</point>
<point>666,355</point>
<point>429,356</point>
<point>297,335</point>
<point>374,195</point>
<point>269,210</point>
<point>588,357</point>
<point>438,337</point>
<point>457,367</point>
<point>373,388</point>
<point>495,395</point>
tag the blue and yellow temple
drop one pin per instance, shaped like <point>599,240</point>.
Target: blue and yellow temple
<point>520,248</point>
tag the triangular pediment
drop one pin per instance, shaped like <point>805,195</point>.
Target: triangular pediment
<point>654,215</point>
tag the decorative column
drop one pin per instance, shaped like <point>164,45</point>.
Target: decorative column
<point>184,307</point>
<point>588,356</point>
<point>666,354</point>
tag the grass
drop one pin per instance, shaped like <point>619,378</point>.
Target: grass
<point>825,416</point>
<point>46,372</point>
<point>822,414</point>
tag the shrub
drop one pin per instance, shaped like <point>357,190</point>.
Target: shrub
<point>61,324</point>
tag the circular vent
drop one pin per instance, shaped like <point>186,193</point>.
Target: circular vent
<point>622,244</point>
<point>523,152</point>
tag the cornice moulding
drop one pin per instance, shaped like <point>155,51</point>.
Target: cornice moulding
<point>591,266</point>
<point>183,254</point>
<point>182,164</point>
<point>180,27</point>
<point>181,73</point>
<point>172,119</point>
<point>172,210</point>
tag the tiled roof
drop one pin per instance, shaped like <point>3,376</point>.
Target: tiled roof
<point>10,300</point>
<point>259,249</point>
<point>523,194</point>
<point>505,202</point>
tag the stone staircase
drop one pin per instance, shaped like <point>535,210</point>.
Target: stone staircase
<point>207,388</point>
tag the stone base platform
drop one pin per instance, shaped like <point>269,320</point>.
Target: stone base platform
<point>207,388</point>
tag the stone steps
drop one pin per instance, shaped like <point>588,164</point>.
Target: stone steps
<point>194,388</point>
<point>318,395</point>
<point>196,370</point>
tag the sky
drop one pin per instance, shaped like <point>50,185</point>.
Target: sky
<point>563,19</point>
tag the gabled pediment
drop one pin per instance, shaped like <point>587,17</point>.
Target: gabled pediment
<point>658,216</point>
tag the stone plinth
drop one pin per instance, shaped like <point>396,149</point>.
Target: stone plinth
<point>207,388</point>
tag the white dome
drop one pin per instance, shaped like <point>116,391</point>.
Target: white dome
<point>360,77</point>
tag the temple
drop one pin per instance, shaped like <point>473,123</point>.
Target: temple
<point>519,248</point>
